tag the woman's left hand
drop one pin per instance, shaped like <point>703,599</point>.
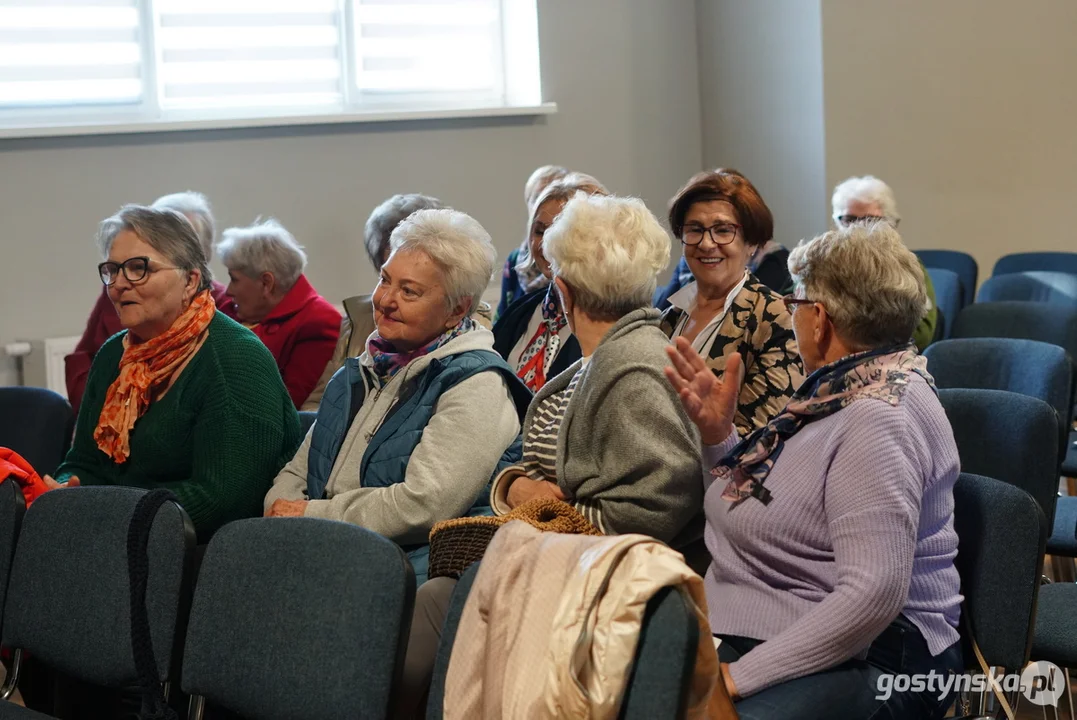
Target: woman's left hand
<point>524,489</point>
<point>730,686</point>
<point>287,508</point>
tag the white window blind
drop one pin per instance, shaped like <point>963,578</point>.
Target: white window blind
<point>69,53</point>
<point>148,64</point>
<point>428,46</point>
<point>249,53</point>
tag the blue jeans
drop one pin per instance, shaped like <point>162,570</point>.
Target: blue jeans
<point>847,691</point>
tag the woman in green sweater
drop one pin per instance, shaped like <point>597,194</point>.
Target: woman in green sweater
<point>186,399</point>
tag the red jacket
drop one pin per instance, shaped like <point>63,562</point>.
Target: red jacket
<point>103,324</point>
<point>301,332</point>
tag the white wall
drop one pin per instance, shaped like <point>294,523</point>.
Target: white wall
<point>967,108</point>
<point>761,88</point>
<point>623,72</point>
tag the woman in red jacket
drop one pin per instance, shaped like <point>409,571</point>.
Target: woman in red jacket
<point>273,298</point>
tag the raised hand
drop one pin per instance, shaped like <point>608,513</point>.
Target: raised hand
<point>710,403</point>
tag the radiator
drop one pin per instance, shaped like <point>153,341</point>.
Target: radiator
<point>41,362</point>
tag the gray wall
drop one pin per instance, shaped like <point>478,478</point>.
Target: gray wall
<point>761,88</point>
<point>967,108</point>
<point>623,72</point>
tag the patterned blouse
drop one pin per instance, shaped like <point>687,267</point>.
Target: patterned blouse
<point>759,327</point>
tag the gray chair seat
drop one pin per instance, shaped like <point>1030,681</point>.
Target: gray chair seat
<point>1055,637</point>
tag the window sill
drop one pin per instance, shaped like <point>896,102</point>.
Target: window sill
<point>372,116</point>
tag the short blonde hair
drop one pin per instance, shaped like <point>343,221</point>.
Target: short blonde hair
<point>871,285</point>
<point>457,244</point>
<point>609,251</point>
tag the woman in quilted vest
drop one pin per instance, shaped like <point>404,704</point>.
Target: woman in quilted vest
<point>412,431</point>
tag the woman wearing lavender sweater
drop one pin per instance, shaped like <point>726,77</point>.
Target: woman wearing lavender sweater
<point>831,528</point>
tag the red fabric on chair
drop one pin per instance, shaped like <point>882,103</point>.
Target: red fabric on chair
<point>13,465</point>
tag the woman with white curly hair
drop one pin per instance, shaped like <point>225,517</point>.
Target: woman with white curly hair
<point>865,200</point>
<point>274,299</point>
<point>607,435</point>
<point>411,432</point>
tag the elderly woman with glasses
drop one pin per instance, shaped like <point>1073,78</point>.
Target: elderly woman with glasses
<point>868,199</point>
<point>184,398</point>
<point>721,220</point>
<point>104,322</point>
<point>832,527</point>
<point>274,298</point>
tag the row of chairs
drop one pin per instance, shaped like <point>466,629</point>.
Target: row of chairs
<point>288,618</point>
<point>1048,277</point>
<point>1009,404</point>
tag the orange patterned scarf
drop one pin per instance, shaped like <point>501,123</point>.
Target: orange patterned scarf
<point>144,369</point>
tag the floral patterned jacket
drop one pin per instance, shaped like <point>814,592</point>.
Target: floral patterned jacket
<point>759,327</point>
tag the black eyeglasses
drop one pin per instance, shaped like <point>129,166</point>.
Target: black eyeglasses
<point>721,234</point>
<point>846,220</point>
<point>134,269</point>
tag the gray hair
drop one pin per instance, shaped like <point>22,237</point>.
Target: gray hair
<point>871,284</point>
<point>561,188</point>
<point>457,244</point>
<point>263,247</point>
<point>385,218</point>
<point>195,207</point>
<point>538,181</point>
<point>166,231</point>
<point>867,189</point>
<point>609,250</point>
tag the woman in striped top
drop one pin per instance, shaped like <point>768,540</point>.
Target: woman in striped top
<point>608,434</point>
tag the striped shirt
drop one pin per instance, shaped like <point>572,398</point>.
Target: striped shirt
<point>540,446</point>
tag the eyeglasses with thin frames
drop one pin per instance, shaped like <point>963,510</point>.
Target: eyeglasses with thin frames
<point>847,220</point>
<point>721,234</point>
<point>791,301</point>
<point>134,269</point>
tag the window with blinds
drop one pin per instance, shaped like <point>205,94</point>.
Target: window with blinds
<point>244,53</point>
<point>63,62</point>
<point>67,53</point>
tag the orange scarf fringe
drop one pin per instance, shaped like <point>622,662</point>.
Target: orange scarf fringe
<point>144,368</point>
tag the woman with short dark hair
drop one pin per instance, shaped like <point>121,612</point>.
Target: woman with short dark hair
<point>721,220</point>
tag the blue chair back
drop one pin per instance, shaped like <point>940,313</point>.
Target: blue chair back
<point>1001,540</point>
<point>1033,286</point>
<point>947,297</point>
<point>37,424</point>
<point>69,596</point>
<point>298,618</point>
<point>959,262</point>
<point>1032,261</point>
<point>12,508</point>
<point>1055,324</point>
<point>1029,367</point>
<point>1013,437</point>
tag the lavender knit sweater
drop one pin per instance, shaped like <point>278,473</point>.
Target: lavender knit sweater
<point>862,503</point>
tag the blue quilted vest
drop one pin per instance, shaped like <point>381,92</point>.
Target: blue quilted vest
<point>385,460</point>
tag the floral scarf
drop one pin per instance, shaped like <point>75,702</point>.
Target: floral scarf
<point>387,362</point>
<point>542,348</point>
<point>145,369</point>
<point>882,374</point>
